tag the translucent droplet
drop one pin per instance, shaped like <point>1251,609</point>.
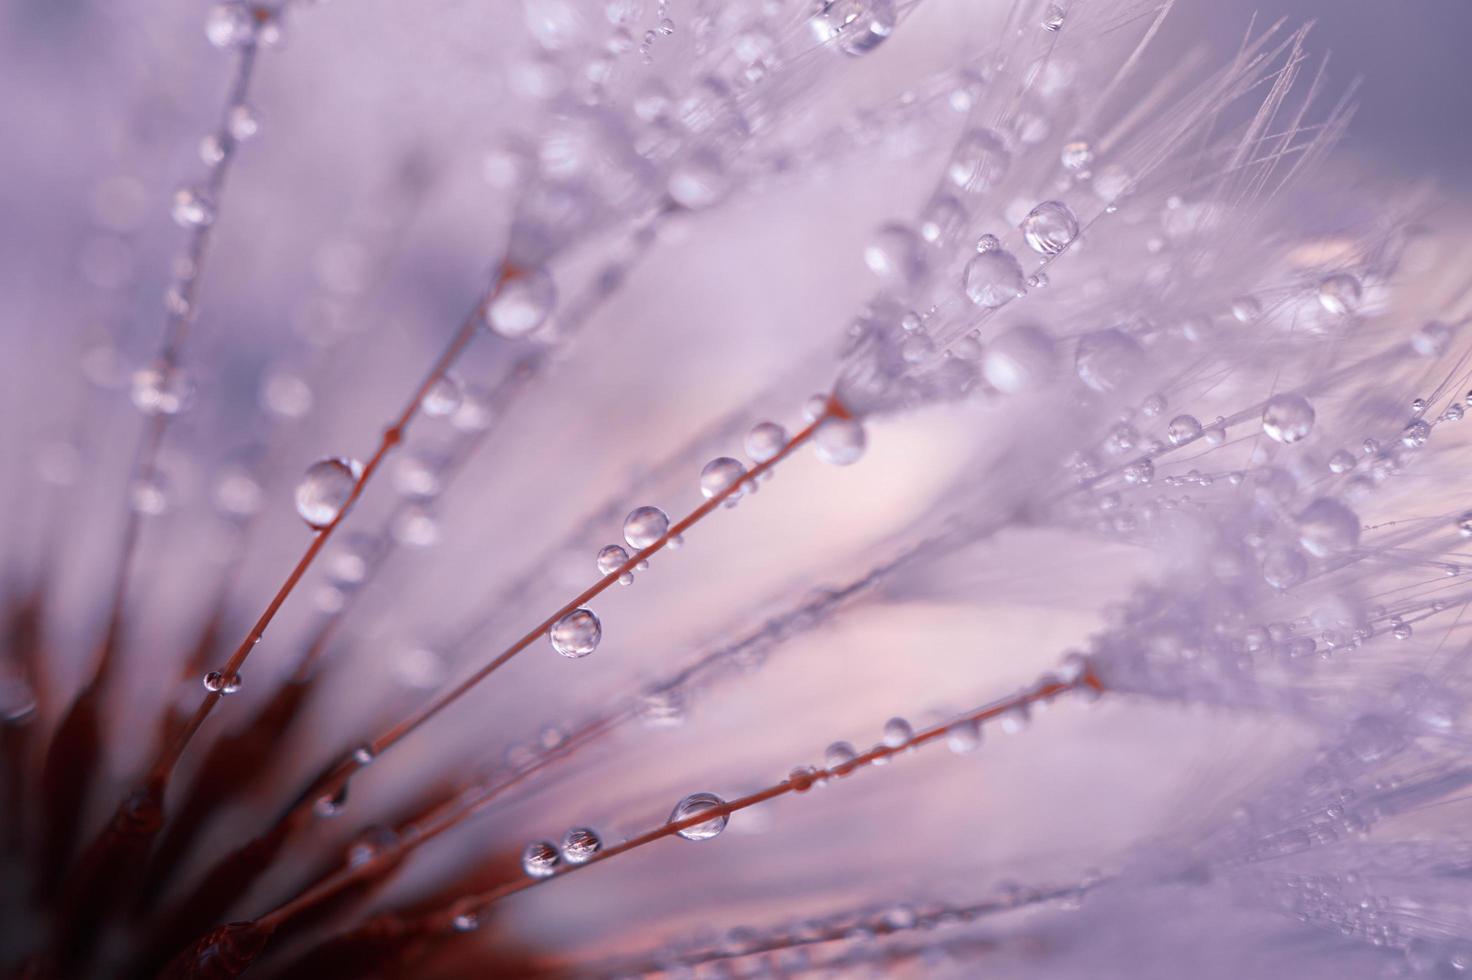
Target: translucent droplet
<point>721,474</point>
<point>1107,359</point>
<point>610,559</point>
<point>1245,309</point>
<point>211,150</point>
<point>840,441</point>
<point>443,398</point>
<point>238,495</point>
<point>1287,418</point>
<point>1340,294</point>
<point>1049,228</point>
<point>1327,527</point>
<point>988,243</point>
<point>580,844</point>
<point>964,735</point>
<point>897,256</point>
<point>1182,428</point>
<point>1415,435</point>
<point>415,527</point>
<point>576,634</point>
<point>1464,525</point>
<point>522,304</point>
<point>764,441</point>
<point>218,683</point>
<point>1401,630</point>
<point>331,804</point>
<point>326,489</point>
<point>698,180</point>
<point>897,732</point>
<point>417,476</point>
<point>1284,568</point>
<point>285,394</point>
<point>993,278</point>
<point>1076,156</point>
<point>1021,358</point>
<point>979,160</point>
<point>855,27</point>
<point>1053,18</point>
<point>839,754</point>
<point>363,755</point>
<point>693,806</point>
<point>229,25</point>
<point>192,209</point>
<point>540,859</point>
<point>465,922</point>
<point>1432,340</point>
<point>161,390</point>
<point>644,526</point>
<point>1341,462</point>
<point>242,122</point>
<point>943,220</point>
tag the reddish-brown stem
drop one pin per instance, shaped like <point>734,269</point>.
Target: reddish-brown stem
<point>1047,690</point>
<point>392,436</point>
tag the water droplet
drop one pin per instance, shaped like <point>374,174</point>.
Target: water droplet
<point>217,682</point>
<point>1284,568</point>
<point>363,754</point>
<point>764,441</point>
<point>988,243</point>
<point>1015,719</point>
<point>897,732</point>
<point>1415,435</point>
<point>838,755</point>
<point>211,150</point>
<point>993,278</point>
<point>1341,461</point>
<point>610,559</point>
<point>698,180</point>
<point>1019,359</point>
<point>1076,156</point>
<point>1245,309</point>
<point>229,25</point>
<point>325,489</point>
<point>192,209</point>
<point>1049,228</point>
<point>540,859</point>
<point>1464,525</point>
<point>521,304</point>
<point>161,390</point>
<point>331,804</point>
<point>465,922</point>
<point>1287,418</point>
<point>1432,340</point>
<point>1327,527</point>
<point>644,526</point>
<point>577,634</point>
<point>285,394</point>
<point>1401,630</point>
<point>840,441</point>
<point>1106,359</point>
<point>1340,294</point>
<point>443,398</point>
<point>721,474</point>
<point>943,220</point>
<point>417,475</point>
<point>979,161</point>
<point>580,844</point>
<point>964,735</point>
<point>415,527</point>
<point>856,27</point>
<point>1182,428</point>
<point>693,806</point>
<point>1053,18</point>
<point>896,256</point>
<point>242,122</point>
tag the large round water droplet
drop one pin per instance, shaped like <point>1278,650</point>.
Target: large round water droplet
<point>522,304</point>
<point>1107,359</point>
<point>693,806</point>
<point>540,859</point>
<point>993,278</point>
<point>719,475</point>
<point>1327,527</point>
<point>580,844</point>
<point>1182,428</point>
<point>896,256</point>
<point>1287,418</point>
<point>979,160</point>
<point>840,441</point>
<point>1049,228</point>
<point>326,489</point>
<point>764,441</point>
<point>576,634</point>
<point>1019,359</point>
<point>644,526</point>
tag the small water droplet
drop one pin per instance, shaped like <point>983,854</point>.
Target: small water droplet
<point>229,25</point>
<point>540,859</point>
<point>838,754</point>
<point>1183,428</point>
<point>764,441</point>
<point>466,922</point>
<point>161,390</point>
<point>192,208</point>
<point>979,161</point>
<point>644,526</point>
<point>1287,418</point>
<point>719,475</point>
<point>993,278</point>
<point>1053,18</point>
<point>964,735</point>
<point>897,732</point>
<point>521,304</point>
<point>242,122</point>
<point>840,441</point>
<point>580,844</point>
<point>325,489</point>
<point>1077,155</point>
<point>577,634</point>
<point>443,398</point>
<point>693,806</point>
<point>855,27</point>
<point>1340,294</point>
<point>1245,309</point>
<point>217,682</point>
<point>1049,228</point>
<point>610,559</point>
